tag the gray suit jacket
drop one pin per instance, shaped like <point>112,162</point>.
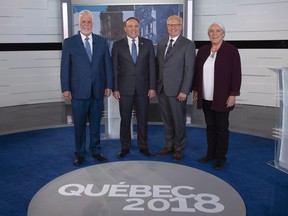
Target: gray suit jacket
<point>175,72</point>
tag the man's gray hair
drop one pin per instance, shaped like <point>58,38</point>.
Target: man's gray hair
<point>89,13</point>
<point>177,17</point>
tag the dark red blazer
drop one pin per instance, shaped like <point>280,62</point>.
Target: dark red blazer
<point>227,77</point>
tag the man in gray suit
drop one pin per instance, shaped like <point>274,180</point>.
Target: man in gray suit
<point>134,84</point>
<point>175,64</point>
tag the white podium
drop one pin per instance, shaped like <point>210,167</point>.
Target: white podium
<point>281,146</point>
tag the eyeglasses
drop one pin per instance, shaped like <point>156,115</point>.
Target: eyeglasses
<point>174,25</point>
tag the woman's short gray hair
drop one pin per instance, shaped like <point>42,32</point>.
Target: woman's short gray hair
<point>219,24</point>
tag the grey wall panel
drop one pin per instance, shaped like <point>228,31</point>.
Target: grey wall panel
<point>33,76</point>
<point>29,77</point>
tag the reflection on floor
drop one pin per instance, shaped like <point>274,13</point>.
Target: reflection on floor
<point>253,120</point>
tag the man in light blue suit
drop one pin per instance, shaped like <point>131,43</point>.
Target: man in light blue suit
<point>86,77</point>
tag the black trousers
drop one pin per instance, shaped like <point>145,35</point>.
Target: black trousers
<point>217,130</point>
<point>141,105</point>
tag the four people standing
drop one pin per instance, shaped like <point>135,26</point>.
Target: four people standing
<point>86,77</point>
<point>175,64</point>
<point>216,85</point>
<point>134,84</point>
<point>87,74</point>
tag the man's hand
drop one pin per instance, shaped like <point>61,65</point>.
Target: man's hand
<point>151,93</point>
<point>116,95</point>
<point>107,92</point>
<point>182,97</point>
<point>67,95</point>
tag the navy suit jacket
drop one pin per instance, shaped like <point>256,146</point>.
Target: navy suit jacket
<point>130,78</point>
<point>79,75</point>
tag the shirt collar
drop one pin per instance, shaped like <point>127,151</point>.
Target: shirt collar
<point>83,37</point>
<point>130,40</point>
<point>174,39</point>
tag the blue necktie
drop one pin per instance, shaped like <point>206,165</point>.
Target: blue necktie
<point>169,47</point>
<point>134,51</point>
<point>88,48</point>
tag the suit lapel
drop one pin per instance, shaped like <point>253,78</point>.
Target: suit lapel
<point>82,46</point>
<point>126,49</point>
<point>165,48</point>
<point>141,46</point>
<point>177,42</point>
<point>94,46</point>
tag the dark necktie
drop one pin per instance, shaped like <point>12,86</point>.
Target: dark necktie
<point>134,51</point>
<point>169,47</point>
<point>88,48</point>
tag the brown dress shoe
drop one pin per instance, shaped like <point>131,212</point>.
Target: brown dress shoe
<point>165,151</point>
<point>178,155</point>
<point>146,152</point>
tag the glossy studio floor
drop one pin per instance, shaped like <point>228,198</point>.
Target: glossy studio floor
<point>247,170</point>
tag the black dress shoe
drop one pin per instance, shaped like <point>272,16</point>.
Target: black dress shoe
<point>146,152</point>
<point>123,153</point>
<point>78,160</point>
<point>99,157</point>
<point>219,165</point>
<point>205,159</point>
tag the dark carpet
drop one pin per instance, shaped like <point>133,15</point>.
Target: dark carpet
<point>29,160</point>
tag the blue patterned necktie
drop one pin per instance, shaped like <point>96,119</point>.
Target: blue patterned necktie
<point>169,47</point>
<point>134,51</point>
<point>88,48</point>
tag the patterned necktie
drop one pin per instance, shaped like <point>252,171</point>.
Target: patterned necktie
<point>88,48</point>
<point>169,47</point>
<point>134,51</point>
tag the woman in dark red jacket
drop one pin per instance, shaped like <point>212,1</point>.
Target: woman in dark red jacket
<point>216,84</point>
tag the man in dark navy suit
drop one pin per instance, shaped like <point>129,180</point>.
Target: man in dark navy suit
<point>134,84</point>
<point>86,77</point>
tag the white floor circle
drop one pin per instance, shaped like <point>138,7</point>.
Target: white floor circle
<point>137,188</point>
